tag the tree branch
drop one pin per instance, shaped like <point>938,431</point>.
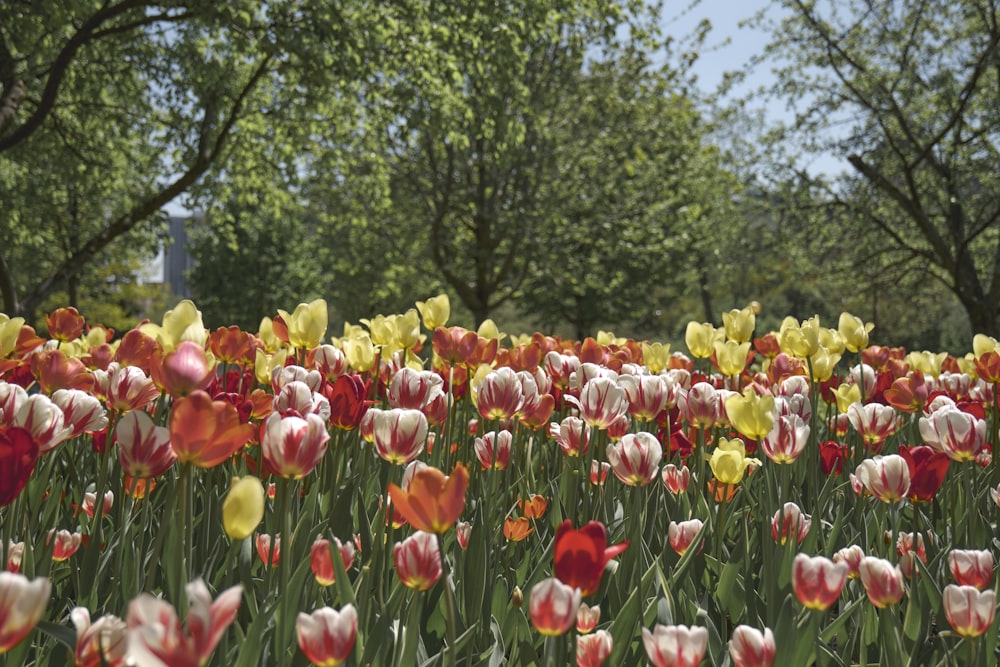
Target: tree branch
<point>61,66</point>
<point>207,152</point>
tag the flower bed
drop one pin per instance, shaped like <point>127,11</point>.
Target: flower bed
<point>185,497</point>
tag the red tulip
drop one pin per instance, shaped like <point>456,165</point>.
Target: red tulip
<point>883,581</point>
<point>593,650</point>
<point>157,637</point>
<point>327,636</point>
<point>928,468</point>
<point>789,521</point>
<point>18,453</point>
<point>749,647</point>
<point>817,581</point>
<point>971,567</point>
<point>581,555</point>
<point>418,561</point>
<point>321,559</point>
<point>676,479</point>
<point>682,534</point>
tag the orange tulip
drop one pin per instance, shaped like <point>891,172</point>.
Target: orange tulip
<point>534,507</point>
<point>206,432</point>
<point>54,370</point>
<point>518,529</point>
<point>65,324</point>
<point>433,501</point>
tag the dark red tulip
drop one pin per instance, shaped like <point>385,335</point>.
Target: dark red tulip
<point>18,453</point>
<point>347,401</point>
<point>832,455</point>
<point>581,555</point>
<point>928,468</point>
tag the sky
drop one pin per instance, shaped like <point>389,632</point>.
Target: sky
<point>729,46</point>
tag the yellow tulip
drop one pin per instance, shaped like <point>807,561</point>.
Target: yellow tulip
<point>967,364</point>
<point>97,335</point>
<point>981,344</point>
<point>847,394</point>
<point>799,340</point>
<point>350,331</point>
<point>656,356</point>
<point>264,364</point>
<point>435,311</point>
<point>750,413</point>
<point>307,324</point>
<point>243,508</point>
<point>10,329</point>
<point>406,330</point>
<point>729,461</point>
<point>182,323</point>
<point>823,362</point>
<point>609,338</point>
<point>731,357</point>
<point>854,332</point>
<point>488,330</point>
<point>360,353</point>
<point>517,340</point>
<point>381,329</point>
<point>266,334</point>
<point>699,338</point>
<point>739,324</point>
<point>928,363</point>
<point>831,340</point>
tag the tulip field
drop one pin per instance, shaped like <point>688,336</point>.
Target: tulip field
<point>413,493</point>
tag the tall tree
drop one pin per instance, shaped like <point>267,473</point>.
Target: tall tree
<point>472,153</point>
<point>633,183</point>
<point>907,92</point>
<point>151,93</point>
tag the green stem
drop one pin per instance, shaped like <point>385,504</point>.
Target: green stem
<point>449,597</point>
<point>285,490</point>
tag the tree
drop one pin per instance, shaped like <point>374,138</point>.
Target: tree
<point>916,84</point>
<point>633,180</point>
<point>470,136</point>
<point>135,101</point>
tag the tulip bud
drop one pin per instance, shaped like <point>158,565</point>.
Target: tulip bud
<point>243,508</point>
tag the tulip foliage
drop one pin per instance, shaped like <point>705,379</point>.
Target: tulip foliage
<point>454,499</point>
